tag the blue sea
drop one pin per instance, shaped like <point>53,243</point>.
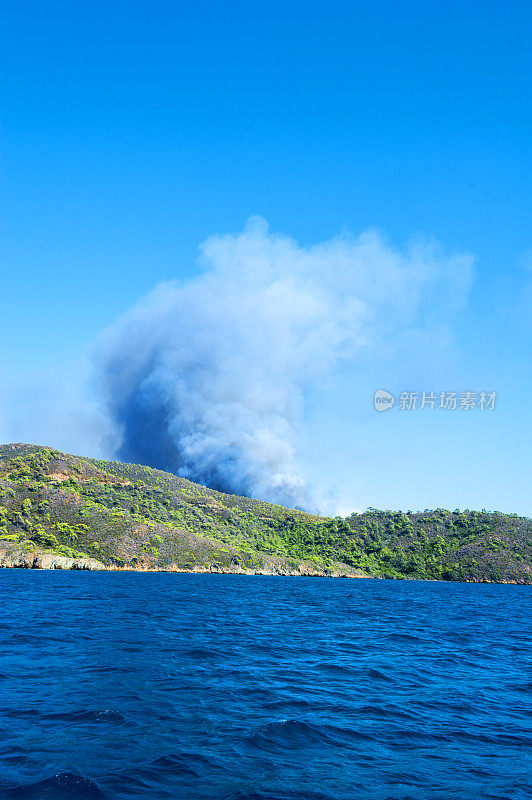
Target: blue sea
<point>155,686</point>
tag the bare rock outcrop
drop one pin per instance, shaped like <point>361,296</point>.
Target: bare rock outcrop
<point>40,559</point>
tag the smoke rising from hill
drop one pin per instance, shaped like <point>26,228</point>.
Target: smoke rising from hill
<point>207,377</point>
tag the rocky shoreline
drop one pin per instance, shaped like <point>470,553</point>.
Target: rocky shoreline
<point>46,560</point>
<point>41,559</point>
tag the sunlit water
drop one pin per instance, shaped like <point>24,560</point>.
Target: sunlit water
<point>125,685</point>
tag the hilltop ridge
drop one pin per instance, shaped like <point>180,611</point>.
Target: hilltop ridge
<point>65,511</point>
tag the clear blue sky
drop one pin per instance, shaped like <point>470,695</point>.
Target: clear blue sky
<point>133,131</point>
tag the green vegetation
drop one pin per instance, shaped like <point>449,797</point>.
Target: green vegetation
<point>129,515</point>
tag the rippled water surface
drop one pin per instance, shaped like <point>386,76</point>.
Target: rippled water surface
<point>124,685</point>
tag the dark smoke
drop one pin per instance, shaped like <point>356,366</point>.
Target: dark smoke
<point>207,378</point>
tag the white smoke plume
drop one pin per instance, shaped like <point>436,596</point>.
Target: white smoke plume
<point>207,378</point>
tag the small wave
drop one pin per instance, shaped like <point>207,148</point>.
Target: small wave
<point>403,638</point>
<point>170,769</point>
<point>496,739</point>
<point>289,703</point>
<point>334,669</point>
<point>17,713</point>
<point>86,716</point>
<point>106,669</point>
<point>295,734</point>
<point>181,764</point>
<point>402,738</point>
<point>385,712</point>
<point>199,654</point>
<point>376,675</point>
<point>63,786</point>
<point>446,706</point>
<point>522,687</point>
<point>259,794</point>
<point>251,795</point>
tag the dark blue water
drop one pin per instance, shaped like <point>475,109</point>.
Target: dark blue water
<point>124,685</point>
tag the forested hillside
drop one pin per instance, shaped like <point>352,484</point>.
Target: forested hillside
<point>128,516</point>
